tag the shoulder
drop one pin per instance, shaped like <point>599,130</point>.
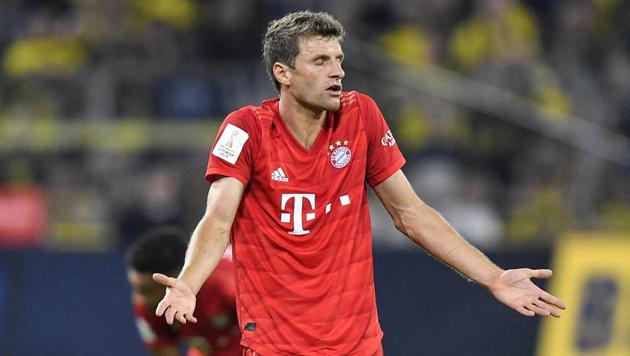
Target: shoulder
<point>244,116</point>
<point>361,107</point>
<point>357,100</point>
<point>355,97</point>
<point>254,117</point>
<point>243,121</point>
<point>366,102</point>
<point>349,99</point>
<point>362,98</point>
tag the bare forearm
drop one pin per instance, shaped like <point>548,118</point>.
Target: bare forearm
<point>436,236</point>
<point>206,247</point>
<point>429,230</point>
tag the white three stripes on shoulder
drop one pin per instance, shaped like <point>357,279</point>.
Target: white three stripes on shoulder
<point>279,175</point>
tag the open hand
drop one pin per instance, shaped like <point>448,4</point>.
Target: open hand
<point>515,289</point>
<point>178,302</point>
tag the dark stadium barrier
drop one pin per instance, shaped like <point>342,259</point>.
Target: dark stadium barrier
<point>72,304</point>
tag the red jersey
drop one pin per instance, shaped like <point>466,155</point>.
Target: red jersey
<point>216,331</point>
<point>302,236</point>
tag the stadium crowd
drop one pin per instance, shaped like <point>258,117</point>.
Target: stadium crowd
<point>187,63</point>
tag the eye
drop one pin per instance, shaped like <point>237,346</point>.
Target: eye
<point>319,61</point>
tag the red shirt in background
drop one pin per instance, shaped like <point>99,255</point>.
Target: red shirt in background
<point>216,328</point>
<point>302,236</point>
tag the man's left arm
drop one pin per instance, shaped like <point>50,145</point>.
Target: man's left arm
<point>427,228</point>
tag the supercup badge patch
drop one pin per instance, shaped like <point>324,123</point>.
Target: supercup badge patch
<point>340,154</point>
<point>231,143</point>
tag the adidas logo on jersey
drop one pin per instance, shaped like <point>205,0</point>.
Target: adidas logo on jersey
<point>279,175</point>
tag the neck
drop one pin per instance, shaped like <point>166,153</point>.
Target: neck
<point>303,122</point>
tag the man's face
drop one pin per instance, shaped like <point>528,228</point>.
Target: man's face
<point>144,288</point>
<point>315,80</point>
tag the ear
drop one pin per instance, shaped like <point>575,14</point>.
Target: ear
<point>282,73</point>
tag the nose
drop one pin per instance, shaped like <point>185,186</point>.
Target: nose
<point>337,71</point>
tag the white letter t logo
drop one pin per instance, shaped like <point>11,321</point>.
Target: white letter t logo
<point>297,212</point>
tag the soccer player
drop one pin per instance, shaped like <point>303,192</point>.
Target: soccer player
<point>215,333</point>
<point>288,187</point>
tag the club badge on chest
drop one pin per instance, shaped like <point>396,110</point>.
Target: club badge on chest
<point>339,153</point>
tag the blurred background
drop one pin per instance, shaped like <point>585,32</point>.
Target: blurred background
<point>514,117</point>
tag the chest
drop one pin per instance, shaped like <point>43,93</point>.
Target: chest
<point>336,158</point>
<point>300,191</point>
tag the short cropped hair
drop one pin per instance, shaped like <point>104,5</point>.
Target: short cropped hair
<point>158,251</point>
<point>282,39</point>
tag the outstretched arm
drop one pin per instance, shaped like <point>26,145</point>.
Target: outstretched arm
<point>206,247</point>
<point>429,230</point>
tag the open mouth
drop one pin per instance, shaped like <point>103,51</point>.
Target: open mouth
<point>335,88</point>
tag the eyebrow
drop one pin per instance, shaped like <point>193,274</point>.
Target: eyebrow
<point>325,56</point>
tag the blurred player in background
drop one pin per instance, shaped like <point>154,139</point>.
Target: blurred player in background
<point>288,186</point>
<point>215,333</point>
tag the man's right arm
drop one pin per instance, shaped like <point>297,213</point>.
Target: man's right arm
<point>206,247</point>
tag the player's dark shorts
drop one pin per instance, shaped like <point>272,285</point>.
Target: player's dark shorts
<point>249,352</point>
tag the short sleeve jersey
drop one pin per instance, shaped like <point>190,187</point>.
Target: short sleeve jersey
<point>216,331</point>
<point>302,236</point>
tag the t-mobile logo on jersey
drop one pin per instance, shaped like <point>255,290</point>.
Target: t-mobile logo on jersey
<point>297,212</point>
<point>298,204</point>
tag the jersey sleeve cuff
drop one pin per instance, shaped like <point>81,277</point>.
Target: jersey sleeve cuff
<point>382,176</point>
<point>213,174</point>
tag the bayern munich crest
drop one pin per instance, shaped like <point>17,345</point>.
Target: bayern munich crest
<point>340,155</point>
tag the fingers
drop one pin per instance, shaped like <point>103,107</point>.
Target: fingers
<point>164,279</point>
<point>536,309</point>
<point>553,300</point>
<point>185,318</point>
<point>169,315</point>
<point>190,318</point>
<point>540,273</point>
<point>180,317</point>
<point>178,303</point>
<point>547,301</point>
<point>524,311</point>
<point>548,308</point>
<point>161,308</point>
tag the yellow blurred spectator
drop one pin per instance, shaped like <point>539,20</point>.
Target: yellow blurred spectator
<point>548,93</point>
<point>44,55</point>
<point>553,101</point>
<point>413,127</point>
<point>540,218</point>
<point>606,11</point>
<point>181,14</point>
<point>614,217</point>
<point>499,29</point>
<point>408,45</point>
